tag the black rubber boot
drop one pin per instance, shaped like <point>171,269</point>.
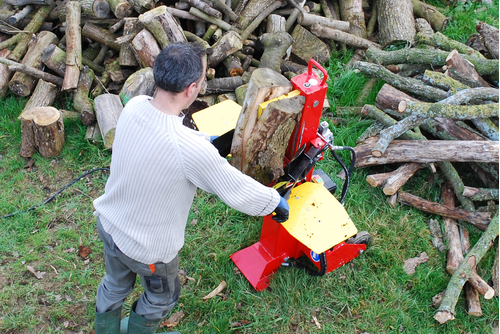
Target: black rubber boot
<point>108,322</point>
<point>137,324</point>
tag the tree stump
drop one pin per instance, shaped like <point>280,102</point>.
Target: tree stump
<point>42,129</point>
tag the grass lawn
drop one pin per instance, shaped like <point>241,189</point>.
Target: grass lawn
<point>371,294</point>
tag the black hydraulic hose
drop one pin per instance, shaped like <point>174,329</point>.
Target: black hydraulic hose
<point>348,172</point>
<point>57,193</point>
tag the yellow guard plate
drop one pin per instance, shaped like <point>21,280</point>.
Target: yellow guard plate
<point>218,119</point>
<point>317,219</point>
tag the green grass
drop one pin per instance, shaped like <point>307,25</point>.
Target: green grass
<point>370,294</point>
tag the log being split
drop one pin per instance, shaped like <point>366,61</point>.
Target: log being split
<point>446,310</point>
<point>425,151</point>
<point>42,129</point>
<point>478,219</point>
<point>264,85</point>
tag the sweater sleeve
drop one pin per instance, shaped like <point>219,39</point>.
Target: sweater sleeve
<point>206,169</point>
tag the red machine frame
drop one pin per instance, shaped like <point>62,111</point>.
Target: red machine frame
<point>276,246</point>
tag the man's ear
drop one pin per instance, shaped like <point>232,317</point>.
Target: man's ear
<point>190,90</point>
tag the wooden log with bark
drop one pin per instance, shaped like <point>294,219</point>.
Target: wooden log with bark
<point>275,46</point>
<point>42,129</point>
<point>437,20</point>
<point>393,181</point>
<point>343,37</point>
<point>264,85</point>
<point>269,139</point>
<point>352,12</point>
<point>44,95</point>
<point>73,46</point>
<point>429,151</point>
<point>108,108</point>
<point>450,111</point>
<point>490,37</point>
<point>307,46</point>
<point>81,100</point>
<point>224,47</point>
<point>396,23</point>
<point>140,83</point>
<point>145,48</point>
<point>464,71</point>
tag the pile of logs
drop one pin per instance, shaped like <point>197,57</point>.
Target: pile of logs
<point>440,100</point>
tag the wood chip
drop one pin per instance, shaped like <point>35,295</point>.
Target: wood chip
<point>38,274</point>
<point>411,264</point>
<point>217,290</point>
<point>173,320</point>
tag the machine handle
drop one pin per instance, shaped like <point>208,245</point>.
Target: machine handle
<point>319,67</point>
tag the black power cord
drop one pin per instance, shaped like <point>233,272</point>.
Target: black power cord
<point>57,193</point>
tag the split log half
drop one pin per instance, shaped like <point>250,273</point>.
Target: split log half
<point>463,70</point>
<point>145,48</point>
<point>108,108</point>
<point>44,95</point>
<point>264,85</point>
<point>269,139</point>
<point>425,151</point>
<point>42,129</point>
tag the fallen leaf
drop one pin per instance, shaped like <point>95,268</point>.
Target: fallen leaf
<point>194,222</point>
<point>84,251</point>
<point>240,323</point>
<point>173,320</point>
<point>217,290</point>
<point>38,274</point>
<point>69,250</point>
<point>411,264</point>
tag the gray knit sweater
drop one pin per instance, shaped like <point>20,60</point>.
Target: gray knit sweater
<point>156,166</point>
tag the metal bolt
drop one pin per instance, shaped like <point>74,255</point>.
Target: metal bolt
<point>361,251</point>
<point>315,103</point>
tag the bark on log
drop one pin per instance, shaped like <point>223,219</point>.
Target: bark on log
<point>145,48</point>
<point>265,85</point>
<point>444,43</point>
<point>462,70</point>
<point>393,181</point>
<point>394,131</point>
<point>21,83</point>
<point>224,47</point>
<point>429,151</point>
<point>455,255</point>
<point>100,35</point>
<point>204,7</point>
<point>105,78</point>
<point>306,19</point>
<point>252,9</point>
<point>37,74</point>
<point>307,46</point>
<point>490,37</point>
<point>396,23</point>
<point>42,129</point>
<point>352,12</point>
<point>141,6</point>
<point>44,95</point>
<point>131,26</point>
<point>437,20</point>
<point>275,23</point>
<point>81,100</point>
<point>218,22</point>
<point>245,33</point>
<point>5,74</point>
<point>20,14</point>
<point>140,83</point>
<point>451,174</point>
<point>73,46</point>
<point>222,85</point>
<point>481,194</point>
<point>225,9</point>
<point>343,37</point>
<point>450,111</point>
<point>478,219</point>
<point>389,97</point>
<point>23,39</point>
<point>160,22</point>
<point>430,57</point>
<point>446,310</point>
<point>495,272</point>
<point>443,81</point>
<point>405,84</point>
<point>275,46</point>
<point>121,8</point>
<point>108,108</point>
<point>269,139</point>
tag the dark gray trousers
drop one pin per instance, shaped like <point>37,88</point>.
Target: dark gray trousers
<point>161,288</point>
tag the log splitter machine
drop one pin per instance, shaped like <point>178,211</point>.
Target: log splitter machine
<point>318,230</point>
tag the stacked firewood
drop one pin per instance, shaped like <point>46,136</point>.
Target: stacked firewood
<point>441,101</point>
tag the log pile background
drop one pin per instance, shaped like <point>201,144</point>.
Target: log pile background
<point>440,100</point>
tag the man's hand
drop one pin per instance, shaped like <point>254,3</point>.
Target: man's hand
<point>282,211</point>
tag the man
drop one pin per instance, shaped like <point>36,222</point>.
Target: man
<point>156,167</point>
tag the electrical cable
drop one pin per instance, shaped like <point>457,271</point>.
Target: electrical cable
<point>57,193</point>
